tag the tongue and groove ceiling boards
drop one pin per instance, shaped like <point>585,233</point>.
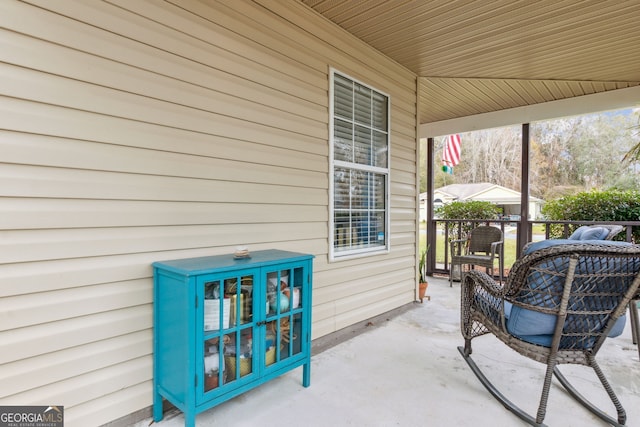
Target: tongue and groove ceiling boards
<point>481,56</point>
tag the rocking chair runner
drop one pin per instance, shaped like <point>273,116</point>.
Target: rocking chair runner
<point>557,306</point>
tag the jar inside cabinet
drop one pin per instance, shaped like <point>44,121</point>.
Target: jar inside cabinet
<point>238,354</point>
<point>240,292</point>
<point>284,291</point>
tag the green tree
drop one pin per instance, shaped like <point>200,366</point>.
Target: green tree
<point>598,148</point>
<point>552,165</point>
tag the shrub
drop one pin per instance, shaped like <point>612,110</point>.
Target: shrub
<point>467,210</point>
<point>611,205</point>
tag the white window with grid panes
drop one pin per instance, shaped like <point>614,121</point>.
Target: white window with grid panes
<point>359,221</point>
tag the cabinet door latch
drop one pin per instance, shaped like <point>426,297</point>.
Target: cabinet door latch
<point>263,322</point>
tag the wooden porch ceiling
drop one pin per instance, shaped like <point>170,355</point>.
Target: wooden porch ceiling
<point>478,56</point>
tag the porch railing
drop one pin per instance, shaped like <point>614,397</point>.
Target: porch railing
<point>438,260</point>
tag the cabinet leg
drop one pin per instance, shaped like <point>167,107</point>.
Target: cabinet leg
<point>306,374</point>
<point>157,407</point>
<point>189,419</point>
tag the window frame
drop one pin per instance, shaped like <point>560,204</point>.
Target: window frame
<point>368,249</point>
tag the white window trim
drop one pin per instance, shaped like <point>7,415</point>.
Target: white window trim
<point>364,252</point>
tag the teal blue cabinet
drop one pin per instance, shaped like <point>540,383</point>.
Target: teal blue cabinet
<point>224,325</point>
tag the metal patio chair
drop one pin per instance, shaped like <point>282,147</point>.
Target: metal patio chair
<point>482,247</point>
<point>558,306</point>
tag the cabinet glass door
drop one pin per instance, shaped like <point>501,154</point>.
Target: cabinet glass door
<point>228,329</point>
<point>284,314</point>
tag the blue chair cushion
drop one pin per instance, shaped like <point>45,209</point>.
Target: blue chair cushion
<point>589,233</point>
<point>542,244</point>
<point>576,234</point>
<point>537,328</point>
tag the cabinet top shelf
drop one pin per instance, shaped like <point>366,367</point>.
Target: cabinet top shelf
<point>193,266</point>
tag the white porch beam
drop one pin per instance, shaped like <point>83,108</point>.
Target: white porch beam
<point>586,104</point>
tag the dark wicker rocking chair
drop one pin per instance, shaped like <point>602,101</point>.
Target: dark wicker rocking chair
<point>578,291</point>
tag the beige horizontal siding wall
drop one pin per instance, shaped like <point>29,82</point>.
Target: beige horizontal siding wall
<point>136,131</point>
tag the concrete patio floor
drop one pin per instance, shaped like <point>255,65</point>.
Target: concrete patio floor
<point>405,370</point>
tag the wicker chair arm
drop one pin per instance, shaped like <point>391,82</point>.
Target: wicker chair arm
<point>481,293</point>
<point>458,240</point>
<point>494,247</point>
<point>459,243</point>
<point>525,248</point>
<point>486,282</point>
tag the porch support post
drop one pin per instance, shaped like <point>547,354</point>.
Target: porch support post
<point>431,224</point>
<point>524,232</point>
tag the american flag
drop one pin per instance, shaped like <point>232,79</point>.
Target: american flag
<point>451,151</point>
